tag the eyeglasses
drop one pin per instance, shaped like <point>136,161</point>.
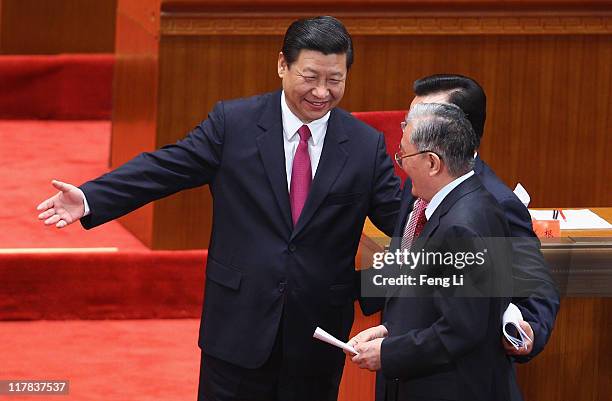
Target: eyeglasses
<point>398,156</point>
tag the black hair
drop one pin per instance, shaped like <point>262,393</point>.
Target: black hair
<point>323,34</point>
<point>465,93</point>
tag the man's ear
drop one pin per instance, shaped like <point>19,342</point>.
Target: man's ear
<point>282,65</point>
<point>435,164</point>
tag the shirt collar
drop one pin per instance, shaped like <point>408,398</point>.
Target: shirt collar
<point>291,123</point>
<point>441,194</point>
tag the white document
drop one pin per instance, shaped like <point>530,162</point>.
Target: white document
<point>581,219</point>
<point>522,194</point>
<point>511,328</point>
<point>324,336</point>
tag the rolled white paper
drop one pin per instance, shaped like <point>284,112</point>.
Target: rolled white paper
<point>324,336</point>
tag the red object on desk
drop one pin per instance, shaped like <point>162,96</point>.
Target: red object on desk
<point>547,228</point>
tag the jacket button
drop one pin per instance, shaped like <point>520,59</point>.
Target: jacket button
<point>292,248</point>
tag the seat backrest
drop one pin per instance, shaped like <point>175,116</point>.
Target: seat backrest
<point>388,122</point>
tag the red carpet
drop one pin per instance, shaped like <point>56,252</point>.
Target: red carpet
<point>75,86</point>
<point>35,152</point>
<point>128,360</point>
<point>131,282</point>
<point>103,359</point>
<point>116,285</point>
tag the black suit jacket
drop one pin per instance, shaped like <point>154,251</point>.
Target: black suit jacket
<point>260,267</point>
<point>442,346</point>
<point>536,293</point>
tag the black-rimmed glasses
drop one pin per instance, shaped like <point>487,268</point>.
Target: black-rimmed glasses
<point>399,157</point>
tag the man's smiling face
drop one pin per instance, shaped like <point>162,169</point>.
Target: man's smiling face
<point>314,84</point>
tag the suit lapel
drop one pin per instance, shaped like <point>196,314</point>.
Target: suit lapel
<point>333,159</point>
<point>432,224</point>
<point>272,152</point>
<point>467,186</point>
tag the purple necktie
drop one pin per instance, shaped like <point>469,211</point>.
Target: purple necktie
<point>301,175</point>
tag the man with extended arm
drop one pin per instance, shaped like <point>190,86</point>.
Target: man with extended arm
<point>293,179</point>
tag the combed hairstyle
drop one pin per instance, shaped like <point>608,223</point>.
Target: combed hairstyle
<point>445,130</point>
<point>464,92</point>
<point>323,34</point>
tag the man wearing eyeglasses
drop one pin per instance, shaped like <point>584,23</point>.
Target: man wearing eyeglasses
<point>535,293</point>
<point>440,339</point>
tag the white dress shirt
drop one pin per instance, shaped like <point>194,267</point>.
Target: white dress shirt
<point>437,199</point>
<point>291,138</point>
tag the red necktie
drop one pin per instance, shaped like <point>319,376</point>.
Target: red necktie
<point>301,175</point>
<point>415,225</point>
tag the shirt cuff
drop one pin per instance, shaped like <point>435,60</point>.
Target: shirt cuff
<point>85,204</point>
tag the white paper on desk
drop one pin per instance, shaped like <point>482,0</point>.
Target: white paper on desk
<point>522,194</point>
<point>581,219</point>
<point>324,336</point>
<point>513,332</point>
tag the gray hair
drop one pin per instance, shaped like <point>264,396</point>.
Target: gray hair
<point>445,130</point>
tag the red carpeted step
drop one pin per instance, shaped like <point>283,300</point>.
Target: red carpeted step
<point>128,360</point>
<point>82,281</point>
<point>102,285</point>
<point>69,86</point>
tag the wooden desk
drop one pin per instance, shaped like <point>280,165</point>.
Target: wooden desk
<point>370,231</point>
<point>577,361</point>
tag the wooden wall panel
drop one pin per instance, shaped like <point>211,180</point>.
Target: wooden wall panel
<point>195,73</point>
<point>135,96</point>
<point>577,363</point>
<point>57,26</point>
<point>548,123</point>
<point>320,7</point>
<point>546,66</point>
<point>549,103</point>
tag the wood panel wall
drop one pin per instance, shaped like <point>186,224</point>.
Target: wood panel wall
<point>57,26</point>
<point>135,99</point>
<point>545,66</point>
<point>577,361</point>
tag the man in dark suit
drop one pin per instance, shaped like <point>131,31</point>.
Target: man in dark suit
<point>293,179</point>
<point>536,294</point>
<point>441,339</point>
